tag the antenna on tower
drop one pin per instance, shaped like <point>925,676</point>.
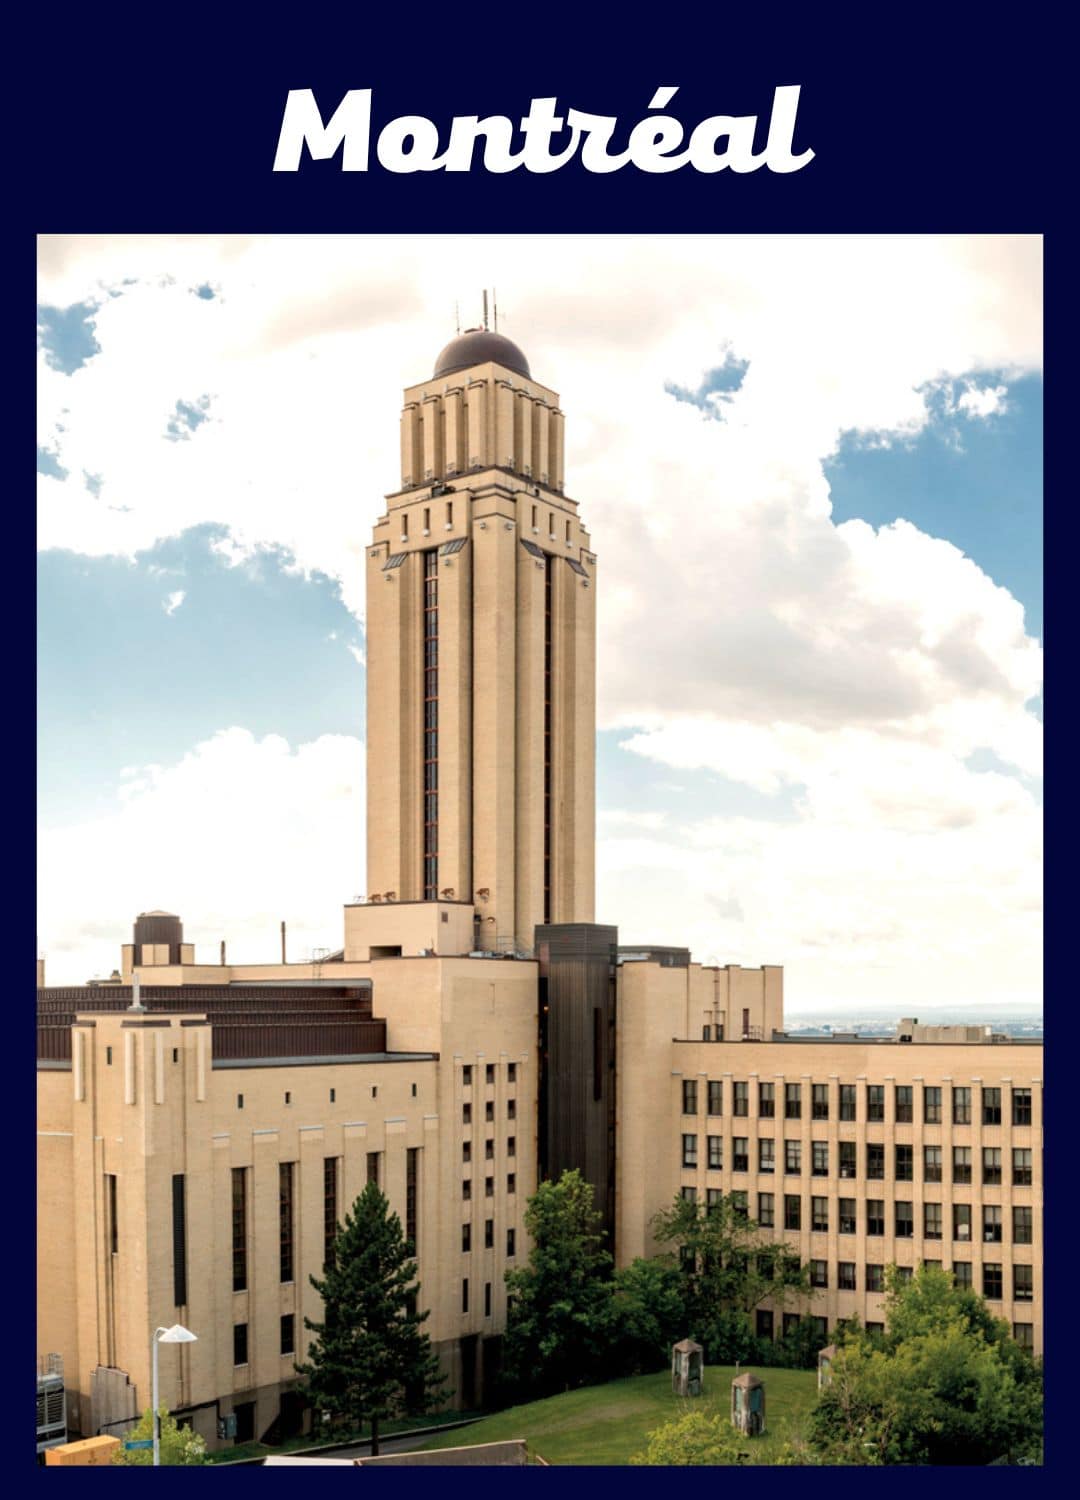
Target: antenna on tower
<point>485,310</point>
<point>457,318</point>
<point>495,309</point>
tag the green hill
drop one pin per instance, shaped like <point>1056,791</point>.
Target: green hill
<point>605,1424</point>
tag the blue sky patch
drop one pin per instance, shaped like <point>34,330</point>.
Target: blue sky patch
<point>718,386</point>
<point>206,292</point>
<point>187,416</point>
<point>49,463</point>
<point>67,335</point>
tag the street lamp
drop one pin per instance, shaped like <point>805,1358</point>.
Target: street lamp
<point>174,1335</point>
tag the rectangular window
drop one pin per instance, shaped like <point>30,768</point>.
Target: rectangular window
<point>766,1100</point>
<point>285,1218</point>
<point>961,1164</point>
<point>738,1204</point>
<point>511,1145</point>
<point>288,1333</point>
<point>466,1150</point>
<point>713,1199</point>
<point>992,1223</point>
<point>412,1172</point>
<point>766,1210</point>
<point>875,1161</point>
<point>373,1167</point>
<point>511,1243</point>
<point>905,1105</point>
<point>511,1072</point>
<point>740,1099</point>
<point>931,1164</point>
<point>689,1096</point>
<point>875,1216</point>
<point>819,1158</point>
<point>716,1152</point>
<point>847,1101</point>
<point>489,1234</point>
<point>1021,1106</point>
<point>487,1299</point>
<point>1021,1166</point>
<point>991,1106</point>
<point>716,1097</point>
<point>848,1164</point>
<point>511,1182</point>
<point>489,1187</point>
<point>845,1216</point>
<point>992,1281</point>
<point>688,1194</point>
<point>333,1095</point>
<point>740,1154</point>
<point>330,1207</point>
<point>489,1111</point>
<point>819,1215</point>
<point>466,1114</point>
<point>1022,1226</point>
<point>766,1154</point>
<point>179,1242</point>
<point>489,1073</point>
<point>932,1106</point>
<point>875,1101</point>
<point>792,1101</point>
<point>991,1165</point>
<point>239,1229</point>
<point>466,1075</point>
<point>819,1101</point>
<point>962,1273</point>
<point>466,1189</point>
<point>239,1101</point>
<point>905,1163</point>
<point>466,1238</point>
<point>875,1278</point>
<point>792,1211</point>
<point>239,1345</point>
<point>689,1150</point>
<point>763,1325</point>
<point>792,1158</point>
<point>511,1109</point>
<point>931,1221</point>
<point>819,1273</point>
<point>114,1229</point>
<point>706,1033</point>
<point>465,1295</point>
<point>845,1275</point>
<point>961,1221</point>
<point>489,1149</point>
<point>1024,1334</point>
<point>905,1220</point>
<point>961,1106</point>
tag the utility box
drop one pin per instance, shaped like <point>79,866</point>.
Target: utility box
<point>824,1366</point>
<point>748,1405</point>
<point>686,1368</point>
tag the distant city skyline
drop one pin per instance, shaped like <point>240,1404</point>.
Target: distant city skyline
<point>819,669</point>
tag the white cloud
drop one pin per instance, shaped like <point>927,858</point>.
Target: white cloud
<point>236,837</point>
<point>174,600</point>
<point>741,629</point>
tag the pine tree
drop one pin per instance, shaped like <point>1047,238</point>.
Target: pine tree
<point>370,1359</point>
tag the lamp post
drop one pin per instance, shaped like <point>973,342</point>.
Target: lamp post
<point>174,1335</point>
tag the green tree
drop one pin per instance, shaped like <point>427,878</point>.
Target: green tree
<point>559,1315</point>
<point>649,1314</point>
<point>178,1445</point>
<point>693,1439</point>
<point>729,1267</point>
<point>946,1385</point>
<point>370,1359</point>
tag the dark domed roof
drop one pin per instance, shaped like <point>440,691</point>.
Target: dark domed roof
<point>478,346</point>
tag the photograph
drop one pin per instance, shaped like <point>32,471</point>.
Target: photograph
<point>539,849</point>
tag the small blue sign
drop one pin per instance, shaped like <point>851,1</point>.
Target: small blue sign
<point>140,1443</point>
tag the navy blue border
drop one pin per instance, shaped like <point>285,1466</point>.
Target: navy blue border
<point>923,119</point>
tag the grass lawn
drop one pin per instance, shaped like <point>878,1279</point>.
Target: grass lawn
<point>605,1424</point>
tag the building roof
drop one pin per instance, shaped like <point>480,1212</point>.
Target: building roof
<point>480,346</point>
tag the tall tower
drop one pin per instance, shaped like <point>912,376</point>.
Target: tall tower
<point>481,621</point>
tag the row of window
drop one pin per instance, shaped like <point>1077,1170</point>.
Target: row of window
<point>489,1238</point>
<point>990,1102</point>
<point>465,1297</point>
<point>489,1073</point>
<point>489,1111</point>
<point>489,1148</point>
<point>1023,1333</point>
<point>1023,1278</point>
<point>333,1095</point>
<point>847,1163</point>
<point>489,1186</point>
<point>287,1341</point>
<point>1023,1217</point>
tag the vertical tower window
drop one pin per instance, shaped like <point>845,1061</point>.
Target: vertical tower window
<point>431,723</point>
<point>404,525</point>
<point>427,520</point>
<point>239,1229</point>
<point>285,1215</point>
<point>373,1167</point>
<point>547,739</point>
<point>179,1233</point>
<point>411,1175</point>
<point>330,1208</point>
<point>114,1236</point>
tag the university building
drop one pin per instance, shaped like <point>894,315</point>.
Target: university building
<point>202,1127</point>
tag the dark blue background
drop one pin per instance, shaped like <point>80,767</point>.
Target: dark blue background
<point>923,119</point>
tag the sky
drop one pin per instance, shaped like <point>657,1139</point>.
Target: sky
<point>811,469</point>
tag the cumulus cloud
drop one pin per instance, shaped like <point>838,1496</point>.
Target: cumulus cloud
<point>741,629</point>
<point>239,835</point>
